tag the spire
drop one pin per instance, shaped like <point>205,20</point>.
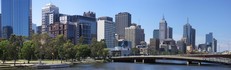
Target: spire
<point>187,20</point>
<point>163,17</point>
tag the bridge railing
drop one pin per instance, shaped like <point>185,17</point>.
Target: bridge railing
<point>221,60</point>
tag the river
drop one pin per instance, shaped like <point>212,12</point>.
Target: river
<point>141,66</point>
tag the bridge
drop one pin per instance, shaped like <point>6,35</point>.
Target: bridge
<point>191,59</point>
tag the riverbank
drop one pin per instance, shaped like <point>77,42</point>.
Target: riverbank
<point>45,63</point>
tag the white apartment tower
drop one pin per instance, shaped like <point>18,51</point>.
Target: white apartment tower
<point>106,31</point>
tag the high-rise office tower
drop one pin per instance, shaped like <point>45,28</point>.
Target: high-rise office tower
<point>134,34</point>
<point>91,15</point>
<point>156,33</point>
<point>214,45</point>
<point>106,31</point>
<point>169,32</point>
<point>193,36</point>
<point>16,17</point>
<point>189,34</point>
<point>209,38</point>
<point>163,30</point>
<point>122,20</point>
<point>211,42</point>
<point>50,14</point>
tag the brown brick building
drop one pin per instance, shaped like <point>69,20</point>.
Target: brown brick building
<point>68,30</point>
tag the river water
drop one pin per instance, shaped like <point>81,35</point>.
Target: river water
<point>141,66</point>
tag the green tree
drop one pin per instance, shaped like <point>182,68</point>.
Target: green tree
<point>152,51</point>
<point>93,46</point>
<point>16,43</point>
<point>4,51</point>
<point>69,50</point>
<point>135,51</point>
<point>35,38</point>
<point>45,41</point>
<point>59,42</point>
<point>97,48</point>
<point>81,40</point>
<point>83,51</point>
<point>27,51</point>
<point>105,53</point>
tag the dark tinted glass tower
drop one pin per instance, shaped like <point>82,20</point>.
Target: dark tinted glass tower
<point>189,34</point>
<point>16,17</point>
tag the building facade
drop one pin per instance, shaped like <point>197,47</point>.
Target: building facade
<point>39,29</point>
<point>84,26</point>
<point>89,14</point>
<point>181,46</point>
<point>16,17</point>
<point>163,30</point>
<point>189,34</point>
<point>50,14</point>
<point>66,29</point>
<point>134,34</point>
<point>122,20</point>
<point>169,32</point>
<point>106,31</point>
<point>156,34</point>
<point>214,45</point>
<point>209,38</point>
<point>211,42</point>
<point>154,43</point>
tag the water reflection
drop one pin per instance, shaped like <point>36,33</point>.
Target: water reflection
<point>140,66</point>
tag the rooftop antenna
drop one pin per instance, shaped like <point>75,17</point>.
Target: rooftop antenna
<point>163,17</point>
<point>187,20</point>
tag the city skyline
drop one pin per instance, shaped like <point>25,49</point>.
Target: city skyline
<point>203,15</point>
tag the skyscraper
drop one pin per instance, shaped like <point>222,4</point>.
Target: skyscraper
<point>189,34</point>
<point>163,30</point>
<point>16,17</point>
<point>134,34</point>
<point>169,32</point>
<point>156,33</point>
<point>211,42</point>
<point>209,38</point>
<point>214,45</point>
<point>91,15</point>
<point>106,31</point>
<point>122,20</point>
<point>86,27</point>
<point>49,15</point>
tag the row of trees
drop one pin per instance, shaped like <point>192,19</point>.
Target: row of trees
<point>45,47</point>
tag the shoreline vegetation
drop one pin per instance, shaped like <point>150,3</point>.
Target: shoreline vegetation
<point>35,63</point>
<point>20,51</point>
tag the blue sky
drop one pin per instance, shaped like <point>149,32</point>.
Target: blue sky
<point>204,15</point>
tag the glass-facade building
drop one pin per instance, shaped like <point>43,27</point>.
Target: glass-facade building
<point>156,33</point>
<point>16,17</point>
<point>209,38</point>
<point>189,34</point>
